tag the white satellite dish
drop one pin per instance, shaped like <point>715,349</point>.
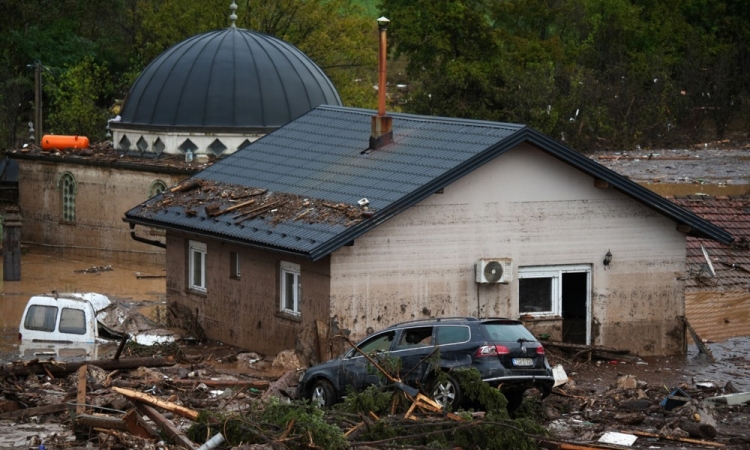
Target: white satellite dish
<point>708,261</point>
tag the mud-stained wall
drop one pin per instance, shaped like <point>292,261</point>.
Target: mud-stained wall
<point>246,311</point>
<point>103,195</point>
<point>530,207</point>
<point>718,316</point>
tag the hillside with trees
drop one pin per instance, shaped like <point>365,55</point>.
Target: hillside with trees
<point>590,73</point>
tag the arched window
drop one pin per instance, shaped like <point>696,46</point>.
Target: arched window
<point>68,188</point>
<point>156,188</point>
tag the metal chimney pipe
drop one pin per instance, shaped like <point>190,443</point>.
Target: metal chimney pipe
<point>382,50</point>
<point>381,132</point>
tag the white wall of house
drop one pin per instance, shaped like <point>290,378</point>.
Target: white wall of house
<point>539,211</point>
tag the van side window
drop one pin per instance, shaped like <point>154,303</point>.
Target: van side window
<point>41,318</point>
<point>452,334</point>
<point>72,321</point>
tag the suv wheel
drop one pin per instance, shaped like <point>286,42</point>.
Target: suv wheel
<point>322,394</point>
<point>515,398</point>
<point>447,393</point>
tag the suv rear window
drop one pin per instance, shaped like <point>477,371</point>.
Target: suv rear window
<point>41,318</point>
<point>506,332</point>
<point>452,334</point>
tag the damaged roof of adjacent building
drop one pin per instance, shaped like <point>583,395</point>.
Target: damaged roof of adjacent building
<point>227,79</point>
<point>323,157</point>
<point>730,261</point>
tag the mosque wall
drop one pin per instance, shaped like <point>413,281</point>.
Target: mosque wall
<point>78,207</point>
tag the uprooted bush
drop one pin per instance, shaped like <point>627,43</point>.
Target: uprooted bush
<point>375,417</point>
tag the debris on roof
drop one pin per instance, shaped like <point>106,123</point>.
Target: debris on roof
<point>213,199</point>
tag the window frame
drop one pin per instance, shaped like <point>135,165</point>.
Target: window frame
<point>555,273</point>
<point>68,193</point>
<point>286,268</point>
<point>195,247</point>
<point>235,265</point>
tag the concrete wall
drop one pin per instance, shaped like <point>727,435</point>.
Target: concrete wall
<point>530,207</point>
<point>103,196</point>
<point>245,311</point>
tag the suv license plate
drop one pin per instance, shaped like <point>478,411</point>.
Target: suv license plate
<point>523,362</point>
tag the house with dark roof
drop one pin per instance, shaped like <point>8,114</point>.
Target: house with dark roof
<point>717,279</point>
<point>445,217</point>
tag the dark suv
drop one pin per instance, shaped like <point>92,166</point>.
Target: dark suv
<point>504,352</point>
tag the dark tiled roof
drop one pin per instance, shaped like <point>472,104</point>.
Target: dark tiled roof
<point>323,155</point>
<point>231,79</point>
<point>731,262</point>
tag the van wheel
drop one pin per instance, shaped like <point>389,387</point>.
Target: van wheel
<point>447,393</point>
<point>515,398</point>
<point>322,394</point>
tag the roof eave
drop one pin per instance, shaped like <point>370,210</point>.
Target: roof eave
<point>209,235</point>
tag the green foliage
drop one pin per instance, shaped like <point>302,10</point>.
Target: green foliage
<point>298,423</point>
<point>375,399</point>
<point>78,100</point>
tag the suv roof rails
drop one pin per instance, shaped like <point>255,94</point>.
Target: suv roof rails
<point>437,319</point>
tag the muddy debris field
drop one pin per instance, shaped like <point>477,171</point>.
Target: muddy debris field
<point>207,395</point>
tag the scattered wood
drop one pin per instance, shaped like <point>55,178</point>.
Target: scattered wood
<point>558,445</point>
<point>151,400</point>
<point>219,212</point>
<point>36,411</point>
<point>595,351</point>
<point>337,206</point>
<point>257,211</point>
<point>141,276</point>
<point>55,367</point>
<point>676,438</point>
<point>136,426</point>
<point>282,385</point>
<point>257,384</point>
<point>647,158</point>
<point>166,426</point>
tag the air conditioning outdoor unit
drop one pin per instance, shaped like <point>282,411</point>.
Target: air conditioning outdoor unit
<point>494,270</point>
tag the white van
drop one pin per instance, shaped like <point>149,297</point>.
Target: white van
<point>63,326</point>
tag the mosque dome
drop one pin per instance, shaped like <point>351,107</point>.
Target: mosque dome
<point>232,80</point>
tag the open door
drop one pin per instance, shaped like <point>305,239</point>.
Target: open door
<point>576,327</point>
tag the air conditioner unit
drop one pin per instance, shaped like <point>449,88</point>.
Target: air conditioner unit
<point>494,270</point>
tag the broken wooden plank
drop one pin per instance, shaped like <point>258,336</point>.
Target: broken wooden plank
<point>155,401</point>
<point>698,341</point>
<point>257,384</point>
<point>35,411</point>
<point>57,367</point>
<point>192,184</point>
<point>166,425</point>
<point>219,212</point>
<point>101,421</point>
<point>81,398</point>
<point>676,438</point>
<point>257,211</point>
<point>135,425</point>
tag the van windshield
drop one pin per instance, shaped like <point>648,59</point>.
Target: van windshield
<point>41,318</point>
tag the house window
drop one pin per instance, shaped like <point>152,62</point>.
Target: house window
<point>541,290</point>
<point>234,265</point>
<point>197,266</point>
<point>156,188</point>
<point>290,288</point>
<point>68,189</point>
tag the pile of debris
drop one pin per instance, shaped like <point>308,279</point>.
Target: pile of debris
<point>220,397</point>
<point>223,201</point>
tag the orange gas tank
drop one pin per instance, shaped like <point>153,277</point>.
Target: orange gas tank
<point>51,141</point>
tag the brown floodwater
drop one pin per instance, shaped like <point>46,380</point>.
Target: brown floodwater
<point>43,272</point>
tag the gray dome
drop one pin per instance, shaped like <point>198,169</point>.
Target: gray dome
<point>232,80</point>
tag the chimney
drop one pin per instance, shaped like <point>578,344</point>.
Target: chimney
<point>381,133</point>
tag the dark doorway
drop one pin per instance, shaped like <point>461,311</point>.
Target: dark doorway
<point>574,307</point>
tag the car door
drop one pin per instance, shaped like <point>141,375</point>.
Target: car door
<point>413,346</point>
<point>356,371</point>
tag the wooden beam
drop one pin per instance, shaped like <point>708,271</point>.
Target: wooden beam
<point>168,427</point>
<point>56,367</point>
<point>682,228</point>
<point>151,400</point>
<point>598,182</point>
<point>81,398</point>
<point>676,438</point>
